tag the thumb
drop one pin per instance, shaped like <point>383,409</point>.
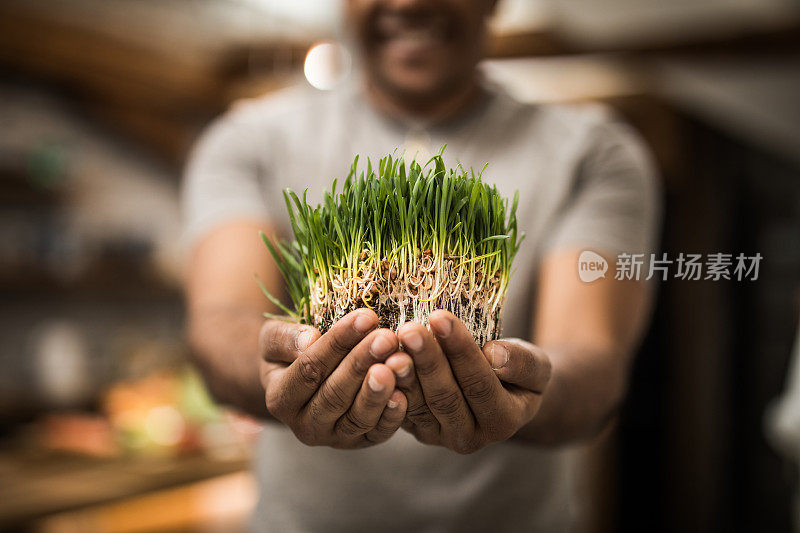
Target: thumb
<point>283,342</point>
<point>519,362</point>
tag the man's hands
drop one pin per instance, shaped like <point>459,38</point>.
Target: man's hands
<point>456,398</point>
<point>343,389</point>
<point>332,389</point>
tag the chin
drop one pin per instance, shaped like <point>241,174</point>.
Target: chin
<point>417,88</point>
<point>415,84</point>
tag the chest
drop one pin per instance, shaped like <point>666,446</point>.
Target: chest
<point>519,159</point>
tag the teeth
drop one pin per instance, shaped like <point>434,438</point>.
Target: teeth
<point>418,35</point>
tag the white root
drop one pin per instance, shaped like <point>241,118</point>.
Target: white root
<point>411,290</point>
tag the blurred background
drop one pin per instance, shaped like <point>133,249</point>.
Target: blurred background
<point>105,428</point>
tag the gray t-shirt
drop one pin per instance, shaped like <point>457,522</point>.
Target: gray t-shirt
<point>585,180</point>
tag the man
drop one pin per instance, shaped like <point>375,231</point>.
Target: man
<point>444,435</point>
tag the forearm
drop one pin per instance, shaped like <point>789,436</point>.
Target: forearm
<point>583,394</point>
<point>224,343</point>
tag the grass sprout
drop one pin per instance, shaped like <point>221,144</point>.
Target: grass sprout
<point>403,240</point>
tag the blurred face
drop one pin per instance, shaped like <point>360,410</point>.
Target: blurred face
<point>419,49</point>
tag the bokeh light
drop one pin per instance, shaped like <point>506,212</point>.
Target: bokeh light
<point>327,64</point>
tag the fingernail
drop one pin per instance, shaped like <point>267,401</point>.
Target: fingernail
<point>363,323</point>
<point>374,384</point>
<point>413,340</point>
<point>304,339</point>
<point>380,347</point>
<point>406,370</point>
<point>442,326</point>
<point>391,404</point>
<point>499,356</point>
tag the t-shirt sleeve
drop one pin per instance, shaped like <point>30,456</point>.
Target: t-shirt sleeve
<point>224,178</point>
<point>614,203</point>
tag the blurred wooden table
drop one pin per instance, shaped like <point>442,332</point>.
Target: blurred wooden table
<point>34,485</point>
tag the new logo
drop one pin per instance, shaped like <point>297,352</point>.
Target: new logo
<point>591,266</point>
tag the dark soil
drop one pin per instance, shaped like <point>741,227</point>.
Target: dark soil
<point>389,315</point>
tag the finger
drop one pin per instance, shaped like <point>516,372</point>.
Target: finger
<point>390,420</point>
<point>417,411</point>
<point>281,341</point>
<point>520,363</point>
<point>336,394</point>
<point>270,372</point>
<point>479,385</point>
<point>439,387</point>
<point>423,436</point>
<point>403,367</point>
<point>272,376</point>
<point>525,367</point>
<point>369,404</point>
<point>315,364</point>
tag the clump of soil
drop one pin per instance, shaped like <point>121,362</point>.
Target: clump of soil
<point>396,298</point>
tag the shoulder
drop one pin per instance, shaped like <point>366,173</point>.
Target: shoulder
<point>585,125</point>
<point>570,130</point>
<point>591,144</point>
<point>275,108</point>
<point>250,126</point>
<point>609,155</point>
<point>595,135</point>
